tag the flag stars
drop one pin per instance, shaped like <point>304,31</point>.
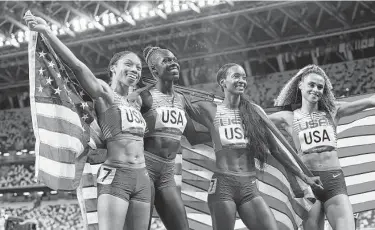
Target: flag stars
<point>42,54</point>
<point>49,80</point>
<point>41,71</point>
<point>40,88</point>
<point>51,64</point>
<point>84,105</point>
<point>85,117</point>
<point>66,80</point>
<point>81,93</point>
<point>58,75</point>
<point>57,90</point>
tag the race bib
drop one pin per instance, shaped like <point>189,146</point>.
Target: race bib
<point>173,118</point>
<point>132,120</point>
<point>212,187</point>
<point>106,175</point>
<point>317,137</point>
<point>232,135</point>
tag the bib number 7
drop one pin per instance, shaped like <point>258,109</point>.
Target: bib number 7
<point>106,175</point>
<point>212,187</point>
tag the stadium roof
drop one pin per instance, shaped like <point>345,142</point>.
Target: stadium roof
<point>199,32</point>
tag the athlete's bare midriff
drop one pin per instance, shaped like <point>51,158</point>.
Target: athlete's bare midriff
<point>127,152</point>
<point>164,147</point>
<point>235,160</point>
<point>321,161</point>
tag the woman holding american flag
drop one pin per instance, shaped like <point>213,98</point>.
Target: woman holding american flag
<point>122,179</point>
<point>240,137</point>
<point>313,127</point>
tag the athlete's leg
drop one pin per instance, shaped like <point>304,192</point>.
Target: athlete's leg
<point>315,218</point>
<point>340,212</point>
<point>137,217</point>
<point>256,214</point>
<point>223,215</point>
<point>171,209</point>
<point>111,212</point>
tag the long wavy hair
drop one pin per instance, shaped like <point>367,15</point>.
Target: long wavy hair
<point>254,126</point>
<point>291,95</point>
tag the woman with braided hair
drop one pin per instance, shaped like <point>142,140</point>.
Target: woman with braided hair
<point>312,125</point>
<point>164,111</point>
<point>122,179</point>
<point>239,136</point>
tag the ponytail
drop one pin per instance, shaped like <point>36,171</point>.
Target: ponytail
<point>254,130</point>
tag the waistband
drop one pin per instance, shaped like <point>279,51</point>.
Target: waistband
<point>124,136</point>
<point>333,169</point>
<point>236,174</point>
<point>121,165</point>
<point>163,134</point>
<point>157,158</point>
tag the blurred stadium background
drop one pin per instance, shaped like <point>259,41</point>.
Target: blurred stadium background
<point>272,40</point>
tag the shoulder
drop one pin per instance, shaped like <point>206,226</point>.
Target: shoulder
<point>282,118</point>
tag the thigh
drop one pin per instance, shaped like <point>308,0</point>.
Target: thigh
<point>171,209</point>
<point>315,217</point>
<point>223,215</point>
<point>257,215</point>
<point>111,212</point>
<point>138,215</point>
<point>340,213</point>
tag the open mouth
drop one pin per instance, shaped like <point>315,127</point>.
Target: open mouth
<point>173,69</point>
<point>132,76</point>
<point>240,87</point>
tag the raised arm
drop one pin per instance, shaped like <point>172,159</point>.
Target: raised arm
<point>93,86</point>
<point>350,108</point>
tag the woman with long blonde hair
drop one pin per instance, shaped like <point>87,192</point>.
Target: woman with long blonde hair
<point>312,124</point>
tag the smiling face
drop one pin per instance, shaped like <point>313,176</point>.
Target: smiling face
<point>166,66</point>
<point>235,80</point>
<point>127,69</point>
<point>312,87</point>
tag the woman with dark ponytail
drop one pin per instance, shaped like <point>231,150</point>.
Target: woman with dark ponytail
<point>122,179</point>
<point>239,137</point>
<point>164,111</point>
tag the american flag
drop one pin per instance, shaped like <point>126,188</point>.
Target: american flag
<point>61,118</point>
<point>356,149</point>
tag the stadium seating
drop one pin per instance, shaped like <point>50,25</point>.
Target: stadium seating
<point>17,175</point>
<point>60,217</point>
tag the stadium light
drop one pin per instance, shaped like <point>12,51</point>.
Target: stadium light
<point>40,193</point>
<point>19,153</point>
<point>139,12</point>
<point>24,150</point>
<point>6,154</point>
<point>53,192</point>
<point>1,194</point>
<point>26,194</point>
<point>32,152</point>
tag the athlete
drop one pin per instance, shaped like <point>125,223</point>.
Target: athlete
<point>313,129</point>
<point>164,111</point>
<point>239,135</point>
<point>122,179</point>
